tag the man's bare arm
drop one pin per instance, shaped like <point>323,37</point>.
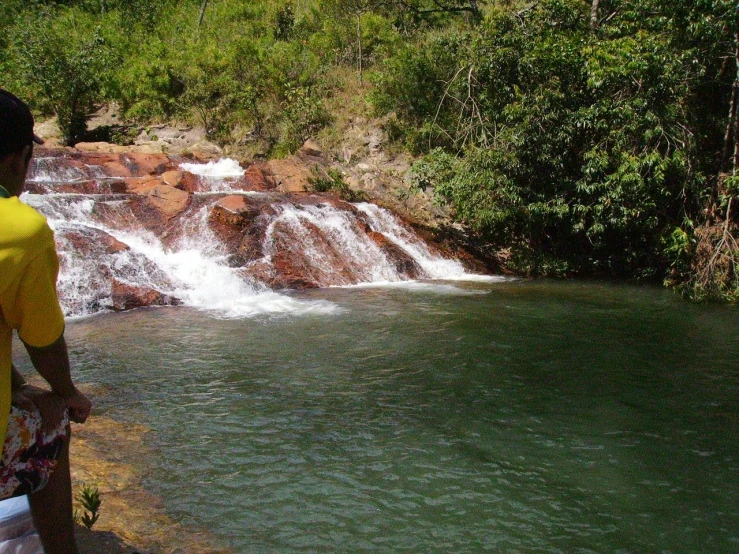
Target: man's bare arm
<point>52,363</point>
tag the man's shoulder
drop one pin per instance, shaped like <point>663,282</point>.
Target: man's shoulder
<point>22,223</point>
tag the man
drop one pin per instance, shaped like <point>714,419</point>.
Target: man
<point>33,422</point>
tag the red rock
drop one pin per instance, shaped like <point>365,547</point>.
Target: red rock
<point>142,185</point>
<point>189,182</point>
<point>290,175</point>
<point>115,169</point>
<point>169,201</point>
<point>128,297</point>
<point>146,164</point>
<point>134,183</point>
<point>232,219</point>
<point>257,180</point>
<point>173,178</point>
<point>89,241</point>
<point>404,264</point>
<point>234,208</point>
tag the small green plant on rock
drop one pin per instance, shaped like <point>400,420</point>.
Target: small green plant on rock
<point>331,180</point>
<point>89,499</point>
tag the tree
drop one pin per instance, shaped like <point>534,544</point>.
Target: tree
<point>582,152</point>
<point>63,57</point>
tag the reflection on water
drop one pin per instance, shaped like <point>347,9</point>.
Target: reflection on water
<point>510,417</point>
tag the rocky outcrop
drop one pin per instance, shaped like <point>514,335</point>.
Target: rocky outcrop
<point>265,224</point>
<point>127,297</point>
<point>290,174</point>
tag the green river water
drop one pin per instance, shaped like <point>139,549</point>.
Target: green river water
<point>500,417</point>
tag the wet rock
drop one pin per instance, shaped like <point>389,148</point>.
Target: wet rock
<point>128,297</point>
<point>234,221</point>
<point>257,180</point>
<point>140,185</point>
<point>173,178</point>
<point>88,241</point>
<point>188,182</point>
<point>167,200</point>
<point>116,169</point>
<point>404,264</point>
<point>146,164</point>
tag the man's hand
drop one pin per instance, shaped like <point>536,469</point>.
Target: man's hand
<point>79,407</point>
<point>50,405</point>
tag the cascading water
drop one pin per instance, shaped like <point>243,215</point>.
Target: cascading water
<point>103,245</point>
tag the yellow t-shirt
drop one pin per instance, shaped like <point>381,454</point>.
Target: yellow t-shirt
<point>28,302</point>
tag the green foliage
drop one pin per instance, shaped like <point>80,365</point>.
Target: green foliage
<point>284,23</point>
<point>332,180</point>
<point>62,60</point>
<point>90,501</point>
<point>580,150</point>
<point>327,180</point>
<point>304,115</point>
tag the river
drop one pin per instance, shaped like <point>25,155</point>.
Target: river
<point>514,416</point>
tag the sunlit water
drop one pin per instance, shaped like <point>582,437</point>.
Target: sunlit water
<point>503,417</point>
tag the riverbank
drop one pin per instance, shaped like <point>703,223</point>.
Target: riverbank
<point>132,520</point>
<point>110,455</point>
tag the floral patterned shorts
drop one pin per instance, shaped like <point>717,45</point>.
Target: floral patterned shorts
<point>29,455</point>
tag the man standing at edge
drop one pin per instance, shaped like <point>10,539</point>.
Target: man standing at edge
<point>34,422</point>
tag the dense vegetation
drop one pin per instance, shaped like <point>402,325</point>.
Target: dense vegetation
<point>589,137</point>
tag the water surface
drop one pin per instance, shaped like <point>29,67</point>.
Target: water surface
<point>501,417</point>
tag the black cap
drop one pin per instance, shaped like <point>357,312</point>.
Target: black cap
<point>16,125</point>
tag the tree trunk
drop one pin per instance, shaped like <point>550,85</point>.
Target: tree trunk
<point>203,7</point>
<point>594,14</point>
<point>731,144</point>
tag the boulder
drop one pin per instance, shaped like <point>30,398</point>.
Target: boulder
<point>146,164</point>
<point>290,174</point>
<point>205,151</point>
<point>128,297</point>
<point>257,180</point>
<point>89,241</point>
<point>168,200</point>
<point>233,220</point>
<point>234,210</point>
<point>404,264</point>
<point>116,169</point>
<point>173,178</point>
<point>189,182</point>
<point>140,185</point>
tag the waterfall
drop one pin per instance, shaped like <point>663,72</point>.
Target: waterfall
<point>104,245</point>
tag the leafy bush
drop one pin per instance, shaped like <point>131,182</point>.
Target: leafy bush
<point>569,145</point>
<point>62,59</point>
<point>90,501</point>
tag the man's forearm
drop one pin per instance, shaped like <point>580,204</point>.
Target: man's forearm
<point>52,363</point>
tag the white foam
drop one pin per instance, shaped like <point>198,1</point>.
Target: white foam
<point>221,169</point>
<point>195,270</point>
<point>433,265</point>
